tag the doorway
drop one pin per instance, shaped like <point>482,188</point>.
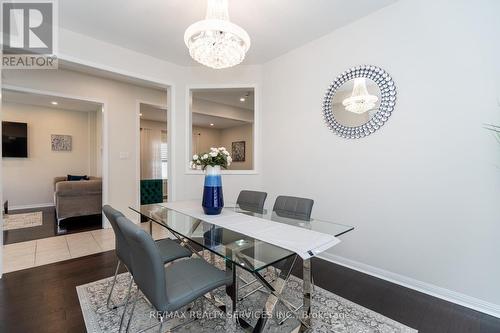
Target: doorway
<point>153,157</point>
<point>47,140</point>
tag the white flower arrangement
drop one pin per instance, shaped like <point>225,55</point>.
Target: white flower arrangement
<point>216,156</point>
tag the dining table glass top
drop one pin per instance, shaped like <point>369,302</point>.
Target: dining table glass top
<point>244,251</point>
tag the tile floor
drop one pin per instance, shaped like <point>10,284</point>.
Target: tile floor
<point>44,251</point>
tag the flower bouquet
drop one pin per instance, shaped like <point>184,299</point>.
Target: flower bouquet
<point>212,162</point>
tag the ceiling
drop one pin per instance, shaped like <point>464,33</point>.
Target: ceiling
<point>106,74</point>
<point>227,96</point>
<point>156,27</point>
<point>46,101</point>
<point>204,120</point>
<point>153,112</point>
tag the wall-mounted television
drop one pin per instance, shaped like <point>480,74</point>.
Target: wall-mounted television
<point>14,139</point>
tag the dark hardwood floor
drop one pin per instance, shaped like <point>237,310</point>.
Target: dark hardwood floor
<point>44,299</point>
<point>49,226</point>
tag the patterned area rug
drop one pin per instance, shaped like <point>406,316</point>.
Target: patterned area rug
<point>330,313</point>
<point>24,220</point>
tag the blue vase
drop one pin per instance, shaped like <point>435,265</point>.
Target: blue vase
<point>213,200</point>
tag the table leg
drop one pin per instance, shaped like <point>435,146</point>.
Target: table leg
<point>305,313</point>
<point>232,290</point>
<point>275,291</point>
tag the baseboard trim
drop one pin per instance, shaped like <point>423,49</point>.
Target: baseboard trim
<point>40,205</point>
<point>424,287</point>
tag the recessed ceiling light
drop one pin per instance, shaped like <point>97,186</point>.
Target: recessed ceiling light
<point>211,124</point>
<point>54,103</point>
<point>140,114</point>
<point>242,99</point>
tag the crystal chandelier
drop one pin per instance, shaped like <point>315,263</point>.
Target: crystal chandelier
<point>215,41</point>
<point>360,100</point>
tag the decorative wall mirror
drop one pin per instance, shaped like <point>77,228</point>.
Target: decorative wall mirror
<point>359,101</point>
<point>224,117</point>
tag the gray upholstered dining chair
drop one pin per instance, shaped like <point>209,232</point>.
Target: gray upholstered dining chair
<point>293,207</point>
<point>169,250</point>
<point>252,201</point>
<point>290,208</point>
<point>167,288</point>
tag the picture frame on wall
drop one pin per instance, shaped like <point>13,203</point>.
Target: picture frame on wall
<point>61,142</point>
<point>238,151</point>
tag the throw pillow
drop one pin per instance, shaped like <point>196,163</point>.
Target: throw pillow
<point>72,177</point>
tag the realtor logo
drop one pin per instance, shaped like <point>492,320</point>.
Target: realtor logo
<point>28,39</point>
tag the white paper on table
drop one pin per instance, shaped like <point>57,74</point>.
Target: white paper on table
<point>306,243</point>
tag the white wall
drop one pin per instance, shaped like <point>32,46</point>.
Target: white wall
<point>153,124</point>
<point>29,181</point>
<point>204,138</point>
<point>423,191</point>
<point>95,142</point>
<point>220,110</point>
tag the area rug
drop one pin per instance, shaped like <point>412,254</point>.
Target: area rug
<point>24,220</point>
<point>330,313</point>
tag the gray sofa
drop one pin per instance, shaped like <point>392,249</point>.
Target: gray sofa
<point>77,197</point>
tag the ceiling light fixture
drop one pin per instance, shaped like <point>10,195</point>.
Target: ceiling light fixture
<point>360,100</point>
<point>244,98</point>
<point>54,103</point>
<point>140,114</point>
<point>211,124</point>
<point>215,41</point>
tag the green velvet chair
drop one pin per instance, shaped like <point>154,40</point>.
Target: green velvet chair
<point>151,191</point>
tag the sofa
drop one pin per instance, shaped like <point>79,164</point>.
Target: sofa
<point>77,197</point>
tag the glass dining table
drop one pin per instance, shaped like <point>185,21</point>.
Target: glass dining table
<point>242,252</point>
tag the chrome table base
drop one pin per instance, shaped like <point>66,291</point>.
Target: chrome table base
<point>274,290</point>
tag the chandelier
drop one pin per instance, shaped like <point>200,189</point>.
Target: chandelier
<point>360,100</point>
<point>215,41</point>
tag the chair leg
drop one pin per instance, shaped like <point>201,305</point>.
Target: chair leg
<point>202,306</point>
<point>113,286</point>
<point>161,324</point>
<point>133,309</point>
<point>212,258</point>
<point>126,304</point>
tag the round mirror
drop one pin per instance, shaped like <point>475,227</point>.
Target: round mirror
<point>356,102</point>
<point>359,101</point>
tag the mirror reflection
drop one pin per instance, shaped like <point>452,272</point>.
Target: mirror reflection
<point>356,102</point>
<point>224,117</point>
